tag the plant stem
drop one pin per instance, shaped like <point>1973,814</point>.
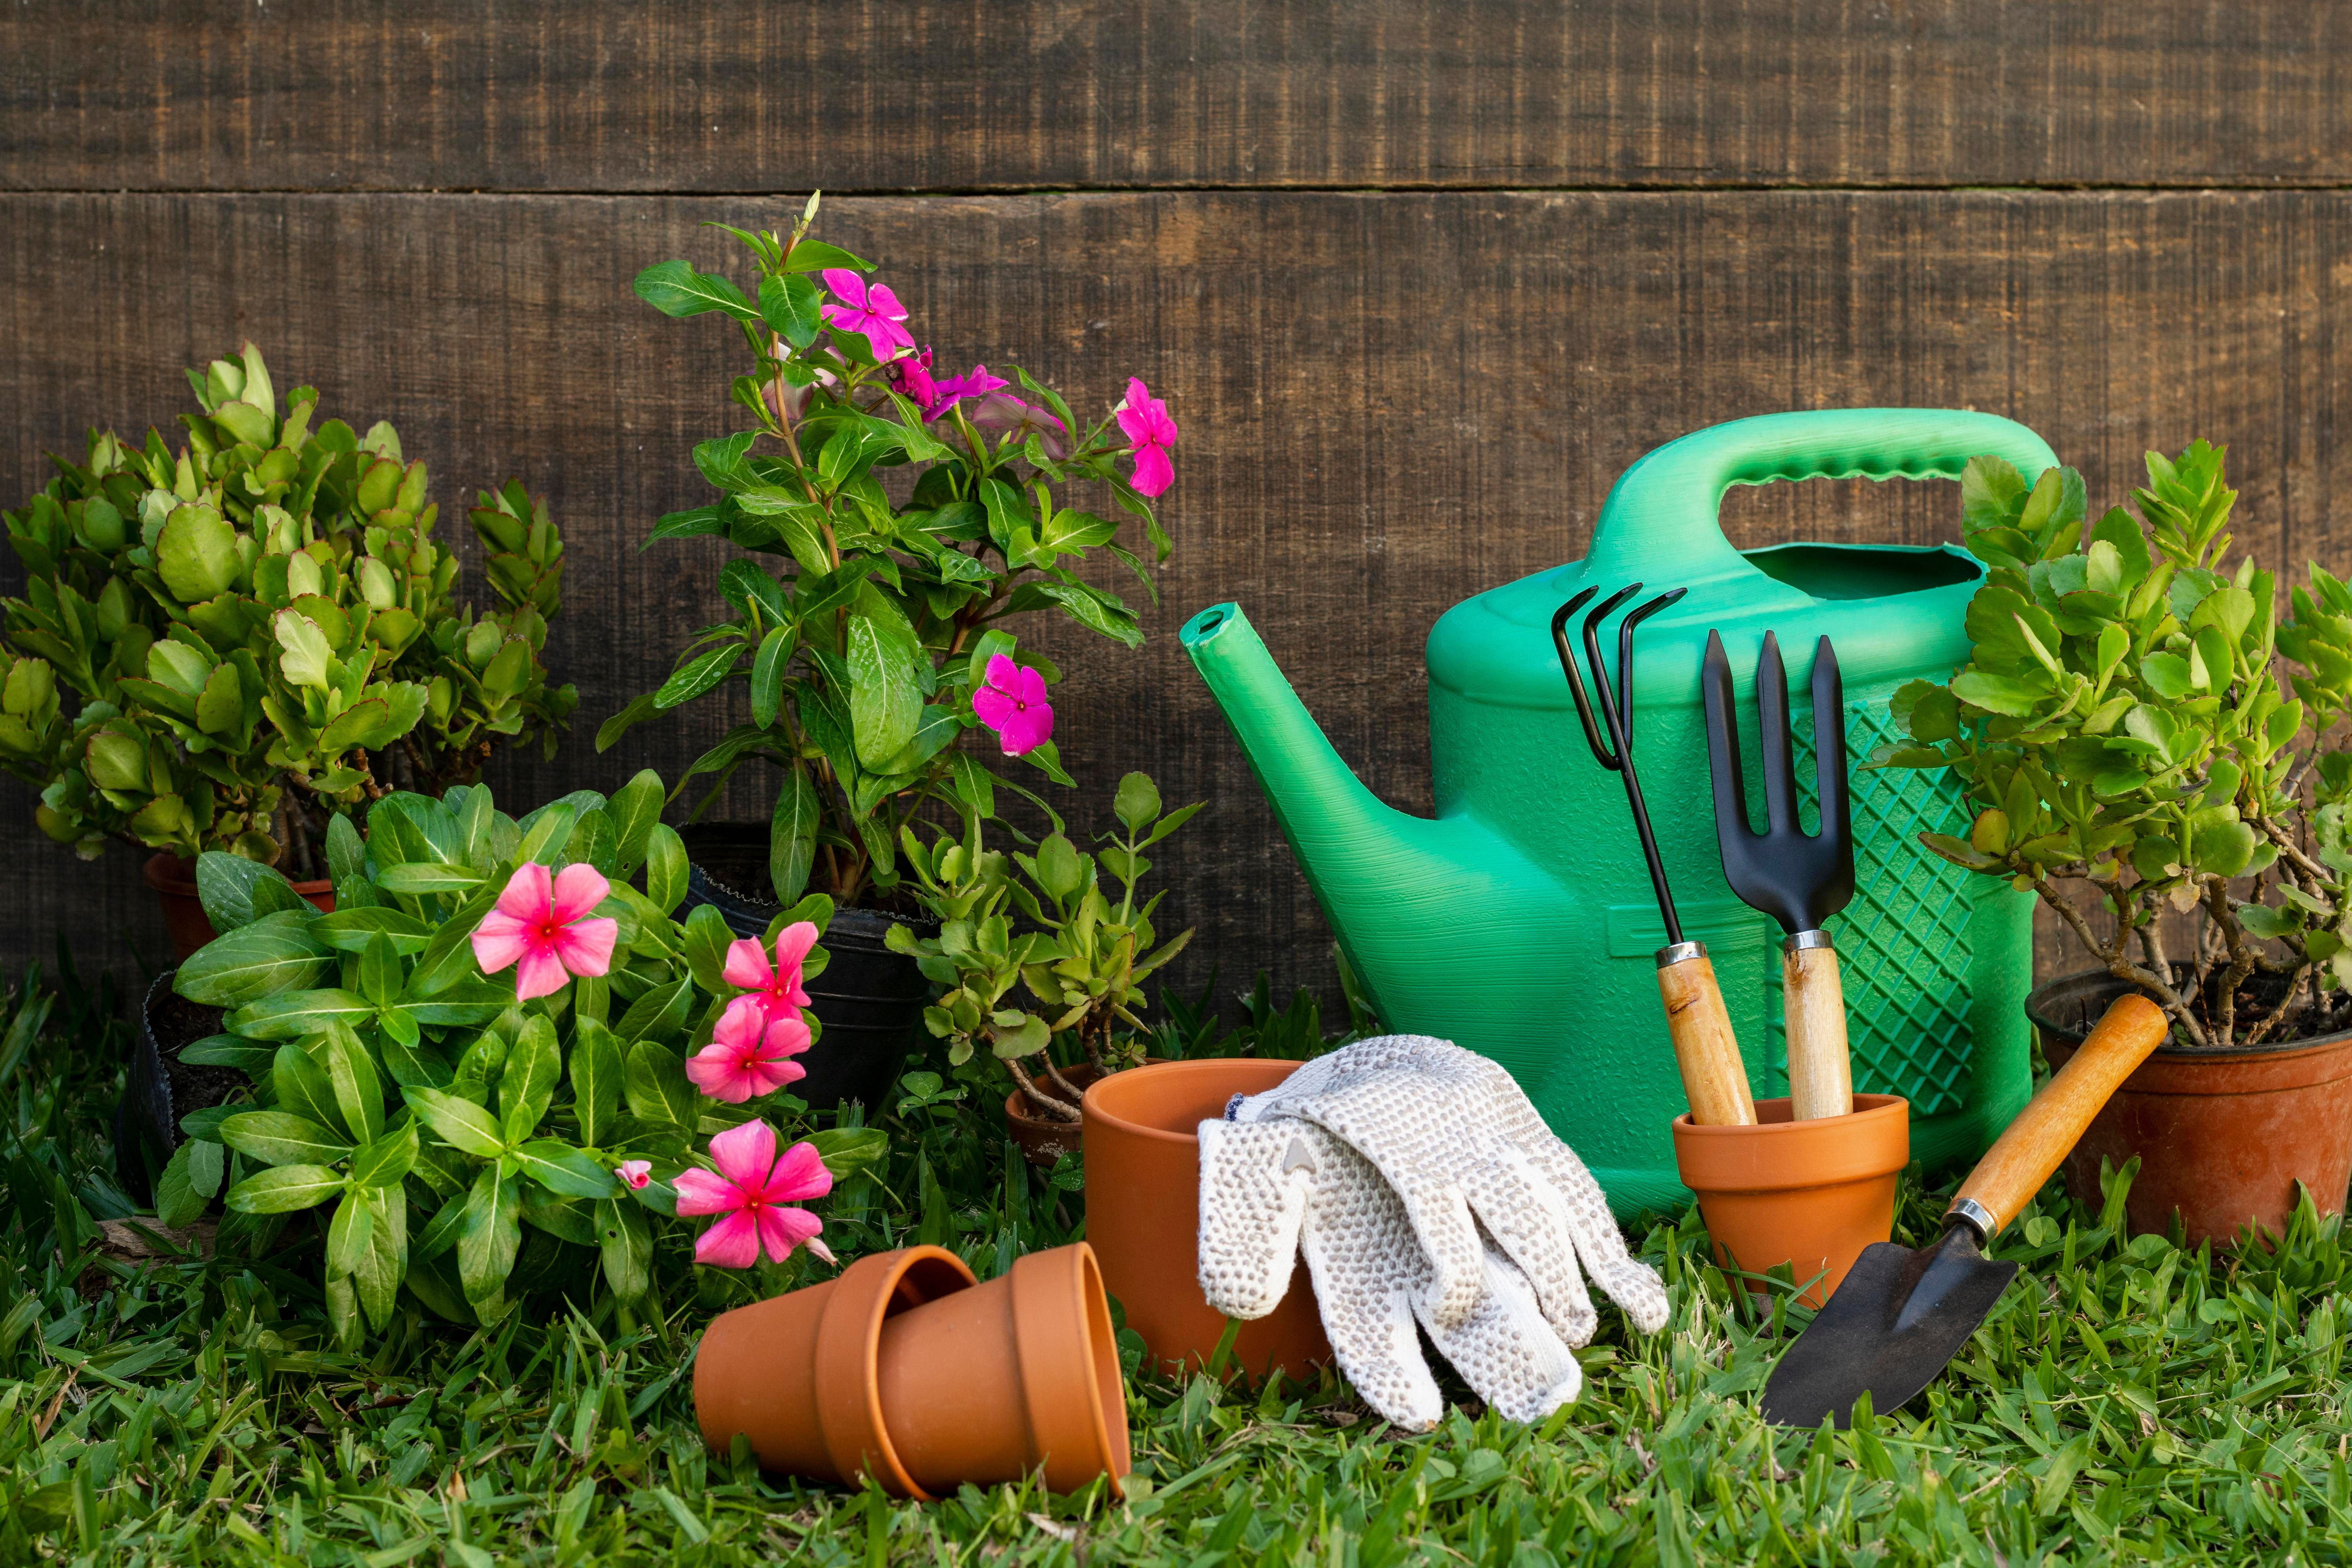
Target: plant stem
<point>2120,966</point>
<point>1043,1101</point>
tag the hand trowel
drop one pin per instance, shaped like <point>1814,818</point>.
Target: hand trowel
<point>1903,1312</point>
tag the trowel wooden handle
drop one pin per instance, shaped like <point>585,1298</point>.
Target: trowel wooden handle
<point>2014,1168</point>
<point>1820,1075</point>
<point>1713,1077</point>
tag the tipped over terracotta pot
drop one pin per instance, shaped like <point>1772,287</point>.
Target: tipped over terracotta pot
<point>907,1370</point>
<point>1143,1215</point>
<point>1811,1195</point>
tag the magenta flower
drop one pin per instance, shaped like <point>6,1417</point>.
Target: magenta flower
<point>635,1174</point>
<point>946,395</point>
<point>543,924</point>
<point>748,1055</point>
<point>1145,420</point>
<point>1002,413</point>
<point>1012,702</point>
<point>913,374</point>
<point>868,309</point>
<point>755,1191</point>
<point>775,991</point>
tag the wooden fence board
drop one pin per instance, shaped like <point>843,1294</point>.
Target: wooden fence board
<point>1388,402</point>
<point>884,95</point>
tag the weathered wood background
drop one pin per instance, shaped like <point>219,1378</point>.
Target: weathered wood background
<point>1417,279</point>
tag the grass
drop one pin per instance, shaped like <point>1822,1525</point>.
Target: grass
<point>2127,1400</point>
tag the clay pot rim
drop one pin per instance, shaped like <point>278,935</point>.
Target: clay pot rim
<point>1077,1281</point>
<point>1017,1106</point>
<point>1093,1108</point>
<point>1869,1143</point>
<point>850,1332</point>
<point>164,874</point>
<point>2168,1051</point>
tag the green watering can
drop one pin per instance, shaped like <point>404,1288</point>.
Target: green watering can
<point>1520,921</point>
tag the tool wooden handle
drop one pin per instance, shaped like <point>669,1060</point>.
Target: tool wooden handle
<point>1713,1077</point>
<point>1821,1076</point>
<point>2014,1168</point>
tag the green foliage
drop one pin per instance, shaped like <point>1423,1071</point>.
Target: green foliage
<point>2122,723</point>
<point>1081,959</point>
<point>257,628</point>
<point>862,623</point>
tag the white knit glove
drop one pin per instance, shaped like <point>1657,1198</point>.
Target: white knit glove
<point>1420,1184</point>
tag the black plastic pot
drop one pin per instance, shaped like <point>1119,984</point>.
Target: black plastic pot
<point>869,999</point>
<point>160,1088</point>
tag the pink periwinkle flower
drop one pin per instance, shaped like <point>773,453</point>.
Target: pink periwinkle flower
<point>1001,413</point>
<point>1145,420</point>
<point>1011,701</point>
<point>774,989</point>
<point>976,382</point>
<point>748,1055</point>
<point>870,309</point>
<point>635,1174</point>
<point>755,1191</point>
<point>913,374</point>
<point>542,924</point>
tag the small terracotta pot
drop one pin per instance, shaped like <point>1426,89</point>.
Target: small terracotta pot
<point>1811,1195</point>
<point>2222,1136</point>
<point>1042,1140</point>
<point>1143,1215</point>
<point>905,1369</point>
<point>175,881</point>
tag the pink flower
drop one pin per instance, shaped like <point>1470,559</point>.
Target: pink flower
<point>748,1056</point>
<point>913,374</point>
<point>754,1190</point>
<point>870,309</point>
<point>635,1174</point>
<point>775,992</point>
<point>1001,412</point>
<point>544,926</point>
<point>947,393</point>
<point>1012,702</point>
<point>1145,419</point>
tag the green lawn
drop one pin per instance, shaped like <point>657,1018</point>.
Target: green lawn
<point>2124,1401</point>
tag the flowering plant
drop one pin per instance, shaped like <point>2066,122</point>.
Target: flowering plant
<point>909,514</point>
<point>256,632</point>
<point>491,1065</point>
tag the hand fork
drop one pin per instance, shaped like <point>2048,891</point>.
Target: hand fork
<point>1798,878</point>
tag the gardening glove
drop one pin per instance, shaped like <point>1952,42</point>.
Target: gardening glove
<point>1277,1187</point>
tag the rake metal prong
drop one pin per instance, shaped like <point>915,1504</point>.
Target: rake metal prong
<point>1612,709</point>
<point>1772,734</point>
<point>1602,752</point>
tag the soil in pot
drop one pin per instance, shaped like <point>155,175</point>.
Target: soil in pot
<point>175,881</point>
<point>869,999</point>
<point>160,1088</point>
<point>2223,1137</point>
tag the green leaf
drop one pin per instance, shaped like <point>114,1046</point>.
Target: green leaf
<point>358,1095</point>
<point>596,1076</point>
<point>698,675</point>
<point>635,809</point>
<point>420,876</point>
<point>385,1259</point>
<point>460,1123</point>
<point>846,1150</point>
<point>527,1084</point>
<point>309,656</point>
<point>491,1231</point>
<point>657,1087</point>
<point>282,1138</point>
<point>707,936</point>
<point>226,884</point>
<point>792,307</point>
<point>449,956</point>
<point>177,1202</point>
<point>568,1218</point>
<point>1997,693</point>
<point>379,978</point>
<point>792,834</point>
<point>387,1160</point>
<point>815,255</point>
<point>675,288</point>
<point>303,1088</point>
<point>346,851</point>
<point>565,1171</point>
<point>659,1013</point>
<point>196,554</point>
<point>207,1164</point>
<point>768,666</point>
<point>627,1247</point>
<point>353,930</point>
<point>666,867</point>
<point>1138,802</point>
<point>298,1014</point>
<point>284,1189</point>
<point>265,958</point>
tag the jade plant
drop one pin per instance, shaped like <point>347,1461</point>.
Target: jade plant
<point>1036,947</point>
<point>2137,721</point>
<point>222,647</point>
<point>898,520</point>
<point>494,1066</point>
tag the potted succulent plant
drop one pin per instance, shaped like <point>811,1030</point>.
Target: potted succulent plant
<point>2137,725</point>
<point>227,645</point>
<point>492,1069</point>
<point>1036,959</point>
<point>895,520</point>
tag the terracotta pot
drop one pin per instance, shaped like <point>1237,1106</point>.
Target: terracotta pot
<point>2222,1136</point>
<point>1042,1140</point>
<point>905,1369</point>
<point>175,881</point>
<point>1143,1215</point>
<point>1811,1195</point>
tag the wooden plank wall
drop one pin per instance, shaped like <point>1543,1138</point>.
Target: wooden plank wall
<point>1417,280</point>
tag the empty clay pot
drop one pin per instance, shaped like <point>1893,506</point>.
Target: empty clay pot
<point>175,881</point>
<point>905,1369</point>
<point>1811,1195</point>
<point>1143,1215</point>
<point>2222,1136</point>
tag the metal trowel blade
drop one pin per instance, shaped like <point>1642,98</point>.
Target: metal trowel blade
<point>1899,1317</point>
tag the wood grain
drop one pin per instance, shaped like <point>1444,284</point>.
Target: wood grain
<point>889,96</point>
<point>1820,1069</point>
<point>1388,402</point>
<point>1715,1079</point>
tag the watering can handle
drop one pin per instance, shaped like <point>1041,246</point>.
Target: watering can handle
<point>1663,514</point>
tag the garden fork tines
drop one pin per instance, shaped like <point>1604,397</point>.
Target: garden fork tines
<point>1713,1076</point>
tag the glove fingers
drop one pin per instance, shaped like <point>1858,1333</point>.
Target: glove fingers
<point>1531,1224</point>
<point>1447,1235</point>
<point>1368,1273</point>
<point>1507,1351</point>
<point>1251,1215</point>
<point>1624,1278</point>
